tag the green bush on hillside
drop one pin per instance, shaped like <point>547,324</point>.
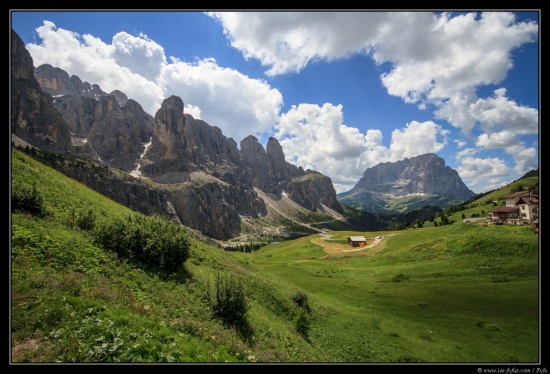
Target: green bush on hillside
<point>301,299</point>
<point>228,302</point>
<point>84,220</point>
<point>27,199</point>
<point>151,241</point>
<point>302,324</point>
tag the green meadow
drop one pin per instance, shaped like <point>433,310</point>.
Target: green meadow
<point>459,293</point>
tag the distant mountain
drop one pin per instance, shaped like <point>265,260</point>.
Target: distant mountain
<point>407,185</point>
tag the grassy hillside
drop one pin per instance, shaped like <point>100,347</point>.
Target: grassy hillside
<point>456,293</point>
<point>75,302</point>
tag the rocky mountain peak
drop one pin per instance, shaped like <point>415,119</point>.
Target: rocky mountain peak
<point>34,118</point>
<point>424,175</point>
<point>173,102</point>
<point>275,152</point>
<point>57,82</point>
<point>120,97</point>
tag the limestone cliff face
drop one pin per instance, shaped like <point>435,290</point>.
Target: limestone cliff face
<point>255,157</point>
<point>215,208</point>
<point>78,113</point>
<point>181,144</point>
<point>118,133</point>
<point>214,187</point>
<point>273,174</point>
<point>268,168</point>
<point>421,174</point>
<point>312,191</point>
<point>57,82</point>
<point>34,118</point>
<point>112,127</point>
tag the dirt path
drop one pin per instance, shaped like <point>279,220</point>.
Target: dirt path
<point>340,250</point>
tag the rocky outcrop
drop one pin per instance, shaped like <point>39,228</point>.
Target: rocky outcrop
<point>109,128</point>
<point>215,208</point>
<point>34,118</point>
<point>273,174</point>
<point>255,157</point>
<point>312,191</point>
<point>78,113</point>
<point>181,144</point>
<point>212,185</point>
<point>118,134</point>
<point>57,82</point>
<point>268,168</point>
<point>120,97</point>
<point>283,172</point>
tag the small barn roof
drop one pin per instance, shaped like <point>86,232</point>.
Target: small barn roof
<point>357,238</point>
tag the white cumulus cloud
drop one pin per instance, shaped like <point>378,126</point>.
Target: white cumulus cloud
<point>223,97</point>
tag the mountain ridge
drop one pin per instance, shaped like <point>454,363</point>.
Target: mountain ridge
<point>200,178</point>
<point>193,167</point>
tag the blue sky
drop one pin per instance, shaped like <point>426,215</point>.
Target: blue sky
<point>341,91</point>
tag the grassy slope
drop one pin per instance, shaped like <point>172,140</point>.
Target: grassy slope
<point>73,302</point>
<point>457,293</point>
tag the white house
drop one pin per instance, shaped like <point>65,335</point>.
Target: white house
<point>522,208</point>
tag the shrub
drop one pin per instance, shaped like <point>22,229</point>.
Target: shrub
<point>151,241</point>
<point>300,298</point>
<point>28,199</point>
<point>400,278</point>
<point>228,302</point>
<point>83,220</point>
<point>301,323</point>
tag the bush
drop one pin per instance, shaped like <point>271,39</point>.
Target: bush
<point>27,199</point>
<point>228,302</point>
<point>151,241</point>
<point>400,278</point>
<point>83,220</point>
<point>300,298</point>
<point>301,323</point>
